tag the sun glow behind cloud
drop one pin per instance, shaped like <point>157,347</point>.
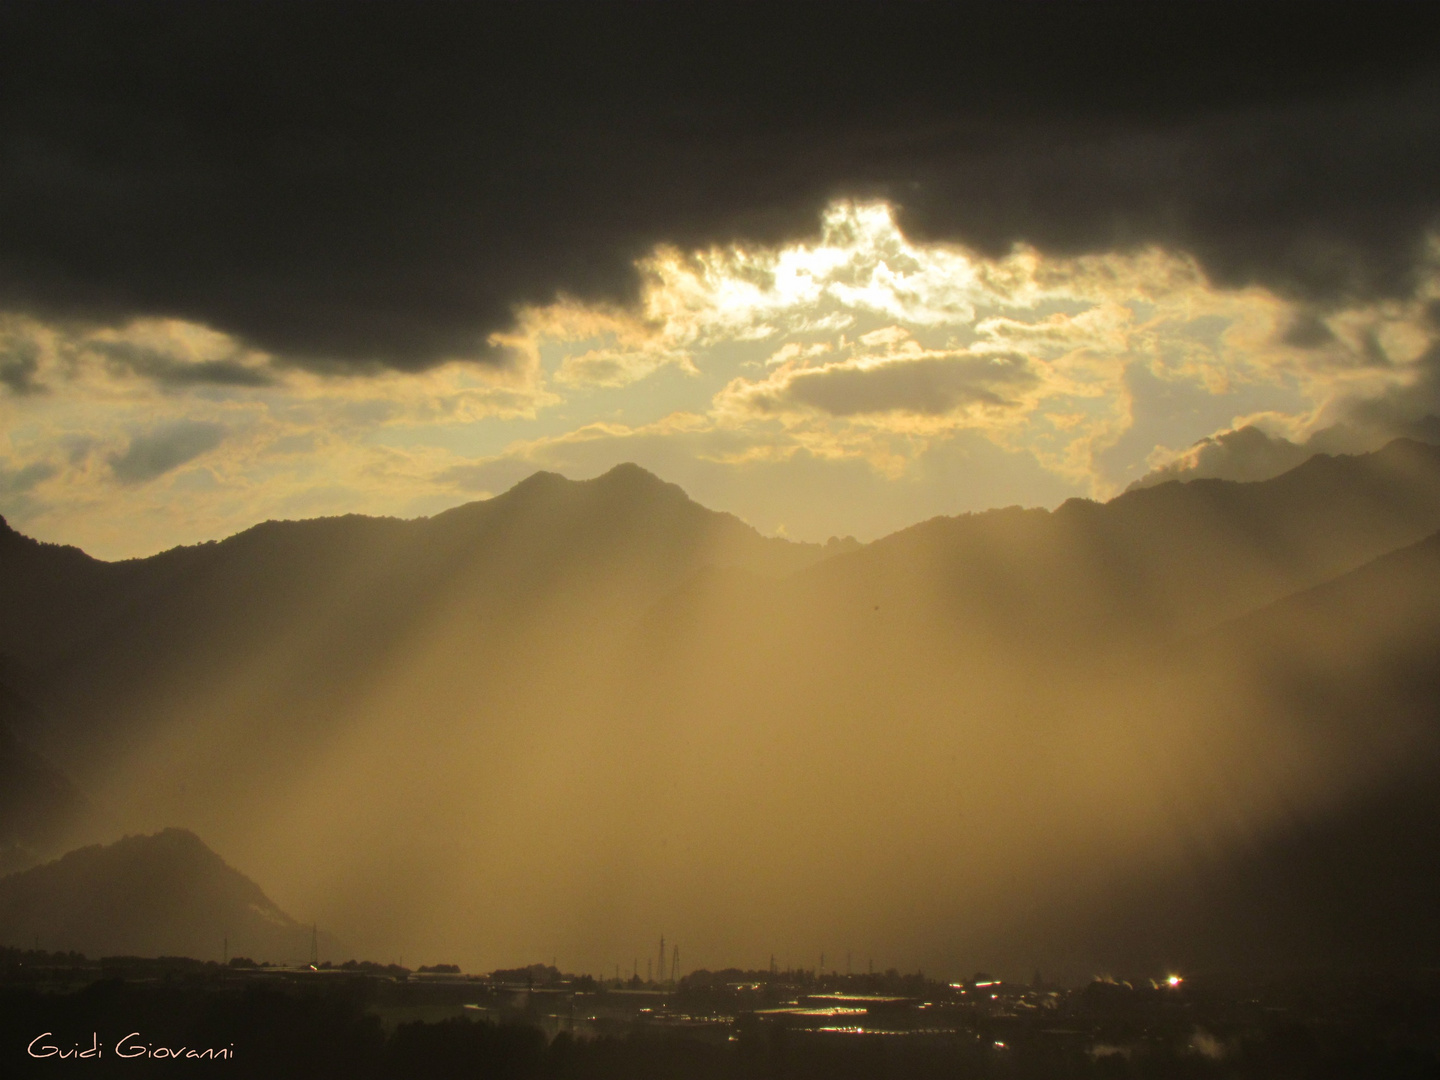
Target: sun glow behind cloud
<point>915,379</point>
<point>861,345</point>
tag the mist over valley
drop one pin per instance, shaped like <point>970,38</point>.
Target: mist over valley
<point>1108,737</point>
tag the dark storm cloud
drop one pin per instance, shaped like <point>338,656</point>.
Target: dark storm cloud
<point>157,452</point>
<point>380,184</point>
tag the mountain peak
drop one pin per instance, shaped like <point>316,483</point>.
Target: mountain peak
<point>626,481</point>
<point>630,472</point>
<point>164,894</point>
<point>629,477</point>
<point>539,480</point>
<point>176,839</point>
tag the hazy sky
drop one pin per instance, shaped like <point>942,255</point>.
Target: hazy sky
<point>836,268</point>
<point>834,273</point>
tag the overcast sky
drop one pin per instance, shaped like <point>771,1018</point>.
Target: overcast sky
<point>834,268</point>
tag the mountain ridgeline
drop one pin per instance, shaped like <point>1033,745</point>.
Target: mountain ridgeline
<point>1166,728</point>
<point>161,895</point>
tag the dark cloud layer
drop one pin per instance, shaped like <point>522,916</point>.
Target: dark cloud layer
<point>380,184</point>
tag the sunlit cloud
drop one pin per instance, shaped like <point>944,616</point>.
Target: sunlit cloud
<point>860,265</point>
<point>125,439</point>
<point>621,347</point>
<point>855,347</point>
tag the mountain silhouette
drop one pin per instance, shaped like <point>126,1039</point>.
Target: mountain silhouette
<point>1063,738</point>
<point>545,532</point>
<point>1167,560</point>
<point>161,895</point>
<point>329,600</point>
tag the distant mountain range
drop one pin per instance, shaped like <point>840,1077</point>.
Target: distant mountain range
<point>544,534</point>
<point>161,895</point>
<point>1176,725</point>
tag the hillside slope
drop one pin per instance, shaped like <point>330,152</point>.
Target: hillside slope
<point>577,711</point>
<point>1344,678</point>
<point>161,895</point>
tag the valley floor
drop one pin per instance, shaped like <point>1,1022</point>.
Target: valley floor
<point>365,1021</point>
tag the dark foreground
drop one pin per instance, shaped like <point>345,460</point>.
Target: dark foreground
<point>63,1015</point>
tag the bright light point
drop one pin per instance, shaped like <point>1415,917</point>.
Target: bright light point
<point>1174,981</point>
